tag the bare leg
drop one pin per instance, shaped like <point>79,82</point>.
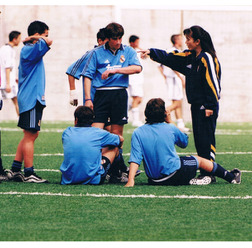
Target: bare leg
<point>14,100</point>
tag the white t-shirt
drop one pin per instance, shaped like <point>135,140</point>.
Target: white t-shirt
<point>7,60</point>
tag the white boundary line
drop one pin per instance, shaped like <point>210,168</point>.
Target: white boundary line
<point>128,196</point>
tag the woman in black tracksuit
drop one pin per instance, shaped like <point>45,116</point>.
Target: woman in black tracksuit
<point>202,70</point>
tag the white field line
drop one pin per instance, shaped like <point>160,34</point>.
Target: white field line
<point>128,196</point>
<point>130,131</point>
<point>128,154</point>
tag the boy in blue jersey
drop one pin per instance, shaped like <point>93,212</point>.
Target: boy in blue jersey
<point>108,68</point>
<point>74,71</point>
<point>154,143</point>
<point>31,100</point>
<point>88,151</point>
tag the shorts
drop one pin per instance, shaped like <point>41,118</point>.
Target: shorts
<point>174,88</point>
<point>187,171</point>
<point>136,89</point>
<point>111,105</point>
<point>106,165</point>
<point>31,119</point>
<point>10,95</point>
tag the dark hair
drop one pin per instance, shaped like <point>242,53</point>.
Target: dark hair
<point>101,34</point>
<point>37,27</point>
<point>13,35</point>
<point>114,30</point>
<point>197,32</point>
<point>174,37</point>
<point>84,116</point>
<point>155,111</point>
<point>133,38</point>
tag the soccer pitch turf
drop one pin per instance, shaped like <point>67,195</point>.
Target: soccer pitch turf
<point>53,212</point>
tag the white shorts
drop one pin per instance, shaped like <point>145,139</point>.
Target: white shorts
<point>174,87</point>
<point>10,95</point>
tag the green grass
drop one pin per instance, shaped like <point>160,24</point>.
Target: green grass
<point>81,217</point>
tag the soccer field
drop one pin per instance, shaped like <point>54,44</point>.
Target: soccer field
<point>52,212</point>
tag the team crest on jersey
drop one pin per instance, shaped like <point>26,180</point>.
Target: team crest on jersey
<point>122,59</point>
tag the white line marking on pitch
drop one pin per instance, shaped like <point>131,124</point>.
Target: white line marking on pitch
<point>128,196</point>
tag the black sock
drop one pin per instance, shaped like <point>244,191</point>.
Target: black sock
<point>222,173</point>
<point>16,166</point>
<point>28,171</point>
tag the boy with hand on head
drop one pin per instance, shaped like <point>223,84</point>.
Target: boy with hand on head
<point>31,100</point>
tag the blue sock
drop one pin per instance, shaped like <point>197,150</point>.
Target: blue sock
<point>28,171</point>
<point>222,173</point>
<point>16,166</point>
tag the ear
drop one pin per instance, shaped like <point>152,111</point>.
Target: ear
<point>75,121</point>
<point>197,42</point>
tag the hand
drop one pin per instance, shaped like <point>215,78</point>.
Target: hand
<point>107,74</point>
<point>168,118</point>
<point>208,112</point>
<point>89,104</point>
<point>73,98</point>
<point>8,88</point>
<point>144,53</point>
<point>130,183</point>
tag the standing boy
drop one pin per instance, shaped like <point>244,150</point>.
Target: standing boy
<point>108,68</point>
<point>31,99</point>
<point>8,82</point>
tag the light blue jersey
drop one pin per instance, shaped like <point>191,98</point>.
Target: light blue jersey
<point>31,78</point>
<point>82,154</point>
<point>154,144</point>
<point>75,70</point>
<point>102,59</point>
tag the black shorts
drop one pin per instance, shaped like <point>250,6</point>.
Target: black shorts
<point>106,165</point>
<point>31,119</point>
<point>111,105</point>
<point>187,171</point>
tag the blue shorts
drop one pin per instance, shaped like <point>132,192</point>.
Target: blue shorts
<point>31,119</point>
<point>187,171</point>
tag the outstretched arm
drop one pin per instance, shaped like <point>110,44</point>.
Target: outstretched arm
<point>132,172</point>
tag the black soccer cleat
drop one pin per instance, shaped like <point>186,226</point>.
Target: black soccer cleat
<point>34,178</point>
<point>237,174</point>
<point>15,176</point>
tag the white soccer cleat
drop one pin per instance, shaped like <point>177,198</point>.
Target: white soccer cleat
<point>200,181</point>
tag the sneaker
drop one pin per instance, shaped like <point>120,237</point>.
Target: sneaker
<point>121,179</point>
<point>200,181</point>
<point>33,178</point>
<point>3,177</point>
<point>237,174</point>
<point>213,178</point>
<point>16,176</point>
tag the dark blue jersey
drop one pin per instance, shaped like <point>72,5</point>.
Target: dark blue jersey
<point>203,74</point>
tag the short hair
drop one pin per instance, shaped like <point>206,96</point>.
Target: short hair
<point>174,37</point>
<point>13,35</point>
<point>114,30</point>
<point>37,27</point>
<point>84,116</point>
<point>133,38</point>
<point>101,34</point>
<point>155,111</point>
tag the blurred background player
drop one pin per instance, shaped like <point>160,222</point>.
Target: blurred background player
<point>108,68</point>
<point>74,70</point>
<point>175,83</point>
<point>136,85</point>
<point>88,151</point>
<point>31,100</point>
<point>8,83</point>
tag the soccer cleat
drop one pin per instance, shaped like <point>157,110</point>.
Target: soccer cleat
<point>213,179</point>
<point>121,179</point>
<point>237,174</point>
<point>200,181</point>
<point>15,176</point>
<point>34,178</point>
<point>3,177</point>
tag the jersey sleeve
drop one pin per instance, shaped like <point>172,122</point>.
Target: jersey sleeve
<point>175,60</point>
<point>210,74</point>
<point>89,69</point>
<point>7,59</point>
<point>109,139</point>
<point>136,155</point>
<point>181,139</point>
<point>75,69</point>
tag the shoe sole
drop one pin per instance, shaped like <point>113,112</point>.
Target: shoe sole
<point>204,181</point>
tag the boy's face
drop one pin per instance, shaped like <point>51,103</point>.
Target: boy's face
<point>17,40</point>
<point>46,33</point>
<point>115,43</point>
